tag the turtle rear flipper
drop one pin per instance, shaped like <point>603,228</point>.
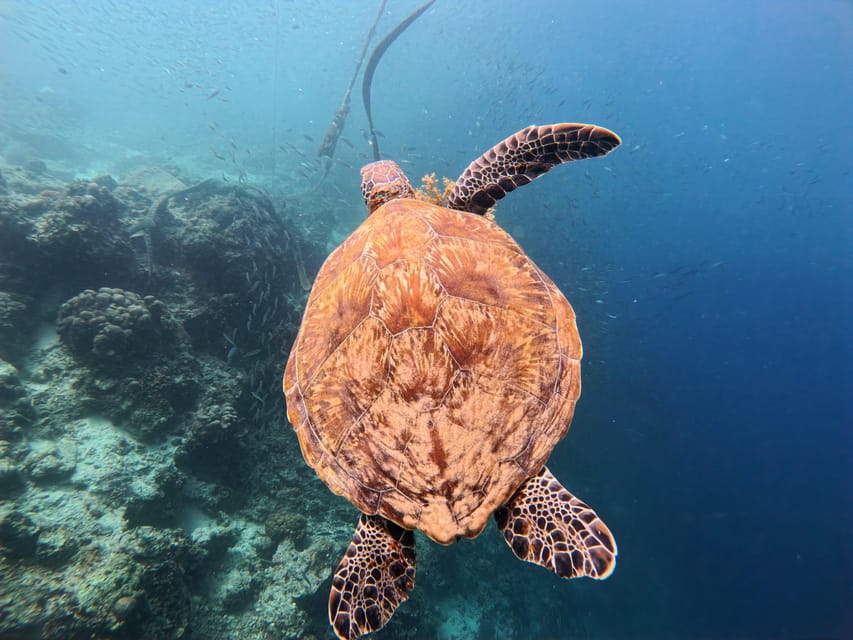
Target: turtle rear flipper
<point>545,524</point>
<point>363,599</point>
<point>522,158</point>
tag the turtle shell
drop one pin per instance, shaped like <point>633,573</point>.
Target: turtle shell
<point>435,369</point>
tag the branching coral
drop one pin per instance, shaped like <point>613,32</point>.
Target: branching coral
<point>429,191</point>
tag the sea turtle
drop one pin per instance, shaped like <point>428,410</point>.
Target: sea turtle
<point>434,371</point>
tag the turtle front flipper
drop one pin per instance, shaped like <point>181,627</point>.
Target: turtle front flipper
<point>373,578</point>
<point>522,158</point>
<point>545,524</point>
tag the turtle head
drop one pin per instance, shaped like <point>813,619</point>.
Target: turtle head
<point>383,181</point>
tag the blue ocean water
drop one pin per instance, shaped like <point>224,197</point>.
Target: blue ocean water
<point>708,259</point>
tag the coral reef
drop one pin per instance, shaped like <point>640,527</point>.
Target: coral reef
<point>14,310</point>
<point>109,325</point>
<point>18,412</point>
<point>18,536</point>
<point>143,327</point>
<point>76,233</point>
<point>139,369</point>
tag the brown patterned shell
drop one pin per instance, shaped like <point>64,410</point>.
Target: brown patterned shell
<point>435,369</point>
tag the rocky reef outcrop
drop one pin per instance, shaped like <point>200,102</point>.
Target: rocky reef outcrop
<point>143,329</point>
<point>113,326</point>
<point>64,238</point>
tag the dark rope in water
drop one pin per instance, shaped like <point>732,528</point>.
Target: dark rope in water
<point>375,57</point>
<point>336,128</point>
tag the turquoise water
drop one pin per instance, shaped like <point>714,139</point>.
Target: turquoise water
<point>708,260</point>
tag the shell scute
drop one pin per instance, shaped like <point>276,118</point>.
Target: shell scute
<point>421,369</point>
<point>368,453</point>
<point>491,274</point>
<point>349,381</point>
<point>407,296</point>
<point>394,230</point>
<point>506,345</point>
<point>458,224</point>
<point>334,313</point>
<point>347,252</point>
